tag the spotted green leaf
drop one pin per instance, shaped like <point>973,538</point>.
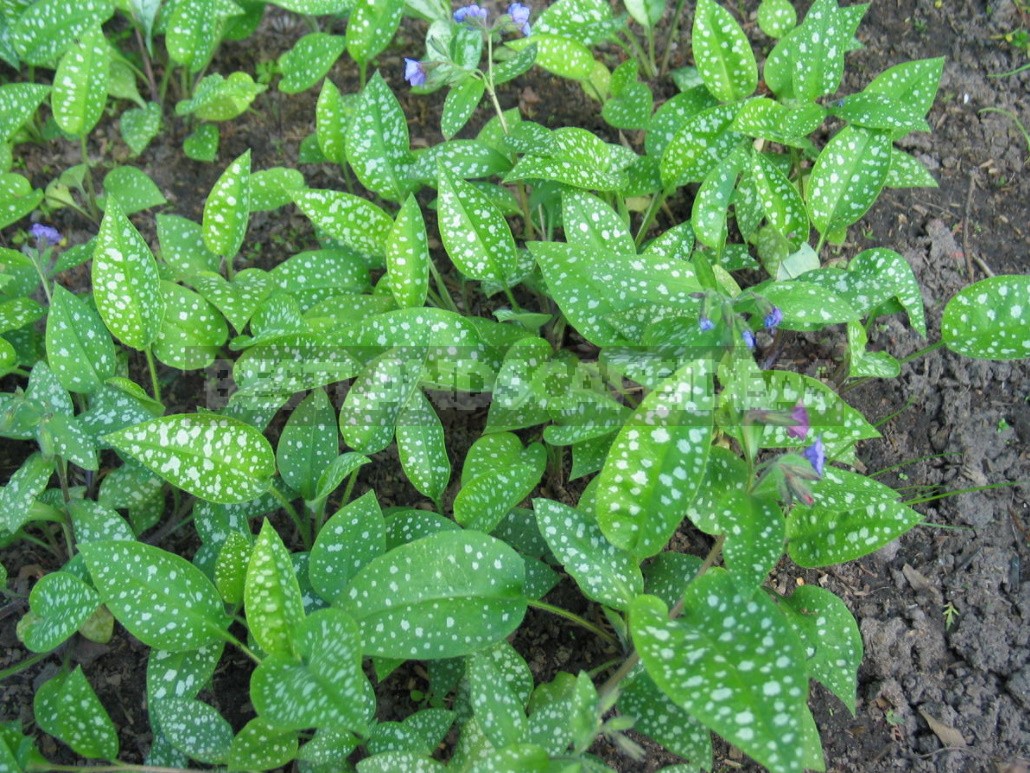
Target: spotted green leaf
<point>309,60</point>
<point>213,457</point>
<point>79,93</point>
<point>17,198</point>
<point>368,418</point>
<point>497,481</point>
<point>907,172</point>
<point>351,538</point>
<point>711,205</point>
<point>879,111</point>
<point>47,28</point>
<point>422,448</point>
<point>830,636</point>
<point>604,573</point>
<point>194,29</point>
<point>180,674</point>
<point>316,276</point>
<point>590,222</point>
<point>852,516</point>
<point>93,522</point>
<point>260,745</point>
<point>79,348</point>
<point>308,444</point>
<point>847,177</point>
<point>272,597</point>
<point>698,146</point>
<point>575,157</point>
<point>754,531</point>
<point>202,143</point>
<point>117,404</point>
<point>333,475</point>
<point>589,21</point>
<point>324,686</point>
<point>474,233</point>
<point>559,55</point>
<point>192,332</point>
<point>441,596</point>
<point>407,256</point>
<point>18,312</point>
<point>18,103</point>
<point>67,708</point>
<point>420,732</point>
<point>126,284</point>
<point>724,57</point>
<point>781,202</point>
<point>230,569</point>
<point>733,662</point>
<point>133,189</point>
<point>227,209</point>
<point>461,102</point>
<point>378,144</point>
<point>182,246</point>
<point>351,220</point>
<point>63,437</point>
<point>660,719</point>
<point>16,498</point>
<point>808,306</point>
<point>238,299</point>
<point>59,603</point>
<point>332,115</point>
<point>217,99</point>
<point>657,462</point>
<point>271,188</point>
<point>912,83</point>
<point>194,728</point>
<point>161,598</point>
<point>988,320</point>
<point>371,26</point>
<point>499,710</point>
<point>772,120</point>
<point>631,102</point>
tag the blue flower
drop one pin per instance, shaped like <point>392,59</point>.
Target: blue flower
<point>749,338</point>
<point>773,319</point>
<point>414,72</point>
<point>799,429</point>
<point>45,235</point>
<point>471,13</point>
<point>816,455</point>
<point>519,14</point>
<point>705,324</point>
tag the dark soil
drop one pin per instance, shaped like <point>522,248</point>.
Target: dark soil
<point>944,612</point>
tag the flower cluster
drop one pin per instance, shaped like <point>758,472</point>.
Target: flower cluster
<point>44,235</point>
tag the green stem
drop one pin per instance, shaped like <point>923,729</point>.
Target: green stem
<point>347,492</point>
<point>511,299</point>
<point>22,665</point>
<point>917,354</point>
<point>676,15</point>
<point>973,490</point>
<point>649,216</point>
<point>239,645</point>
<point>652,65</point>
<point>303,527</point>
<point>230,271</point>
<point>155,384</point>
<point>37,261</point>
<point>91,190</point>
<point>441,288</point>
<point>574,618</point>
<point>899,465</point>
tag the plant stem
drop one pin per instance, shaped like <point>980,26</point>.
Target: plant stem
<point>917,354</point>
<point>634,657</point>
<point>239,645</point>
<point>574,618</point>
<point>303,527</point>
<point>347,492</point>
<point>972,490</point>
<point>441,288</point>
<point>673,31</point>
<point>91,190</point>
<point>155,384</point>
<point>649,216</point>
<point>145,54</point>
<point>22,665</point>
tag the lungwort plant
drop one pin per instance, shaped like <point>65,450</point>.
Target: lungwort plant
<point>617,308</point>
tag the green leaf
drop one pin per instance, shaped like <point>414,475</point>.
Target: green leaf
<point>230,572</point>
<point>808,306</point>
<point>442,596</point>
<point>194,728</point>
<point>771,120</point>
<point>830,636</point>
<point>93,522</point>
<point>847,177</point>
<point>407,256</point>
<point>180,674</point>
<point>218,99</point>
<point>351,538</point>
<point>309,60</point>
<point>308,444</point>
<point>368,418</point>
<point>58,604</point>
<point>987,320</point>
<point>517,65</point>
<point>161,599</point>
<point>79,93</point>
<point>371,26</point>
<point>561,56</point>
<point>378,144</point>
<point>317,276</point>
<point>422,448</point>
<point>126,284</point>
<point>272,188</point>
<point>712,203</point>
<point>194,29</point>
<point>699,145</point>
<point>18,103</point>
<point>202,143</point>
<point>18,312</point>
<point>388,762</point>
<point>733,662</point>
<point>67,708</point>
<point>498,474</point>
<point>272,597</point>
<point>781,202</point>
<point>724,56</point>
<point>631,102</point>
<point>341,467</point>
<point>589,21</point>
<point>351,220</point>
<point>461,102</point>
<point>325,688</point>
<point>575,157</point>
<point>227,209</point>
<point>47,28</point>
<point>238,299</point>
<point>64,437</point>
<point>213,457</point>
<point>79,348</point>
<point>913,84</point>
<point>16,498</point>
<point>419,733</point>
<point>907,172</point>
<point>498,709</point>
<point>590,222</point>
<point>261,746</point>
<point>603,572</point>
<point>192,332</point>
<point>332,116</point>
<point>879,111</point>
<point>657,462</point>
<point>660,719</point>
<point>474,233</point>
<point>132,189</point>
<point>17,198</point>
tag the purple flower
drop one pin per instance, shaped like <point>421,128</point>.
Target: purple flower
<point>414,72</point>
<point>705,324</point>
<point>519,14</point>
<point>799,429</point>
<point>471,13</point>
<point>45,235</point>
<point>816,455</point>
<point>773,319</point>
<point>749,338</point>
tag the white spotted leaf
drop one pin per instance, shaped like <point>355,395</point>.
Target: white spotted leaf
<point>341,467</point>
<point>442,596</point>
<point>126,283</point>
<point>67,708</point>
<point>182,246</point>
<point>407,256</point>
<point>847,177</point>
<point>59,603</point>
<point>988,320</point>
<point>273,188</point>
<point>711,205</point>
<point>95,522</point>
<point>911,83</point>
<point>590,222</point>
<point>908,172</point>
<point>378,144</point>
<point>724,57</point>
<point>230,570</point>
<point>133,189</point>
<point>260,745</point>
<point>474,232</point>
<point>238,299</point>
<point>371,26</point>
<point>332,116</point>
<point>660,719</point>
<point>461,102</point>
<point>17,198</point>
<point>368,418</point>
<point>18,103</point>
<point>79,348</point>
<point>498,474</point>
<point>420,732</point>
<point>807,306</point>
<point>161,598</point>
<point>192,331</point>
<point>563,56</point>
<point>351,220</point>
<point>499,710</point>
<point>227,209</point>
<point>657,462</point>
<point>605,573</point>
<point>17,497</point>
<point>194,29</point>
<point>324,687</point>
<point>309,60</point>
<point>781,203</point>
<point>47,28</point>
<point>830,636</point>
<point>734,663</point>
<point>194,728</point>
<point>352,537</point>
<point>213,457</point>
<point>308,444</point>
<point>271,596</point>
<point>139,125</point>
<point>421,444</point>
<point>699,145</point>
<point>316,276</point>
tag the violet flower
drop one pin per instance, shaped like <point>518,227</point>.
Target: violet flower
<point>705,324</point>
<point>471,14</point>
<point>749,338</point>
<point>799,429</point>
<point>816,455</point>
<point>519,13</point>
<point>44,235</point>
<point>414,72</point>
<point>773,319</point>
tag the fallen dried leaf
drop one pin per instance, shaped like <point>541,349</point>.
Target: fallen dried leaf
<point>948,735</point>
